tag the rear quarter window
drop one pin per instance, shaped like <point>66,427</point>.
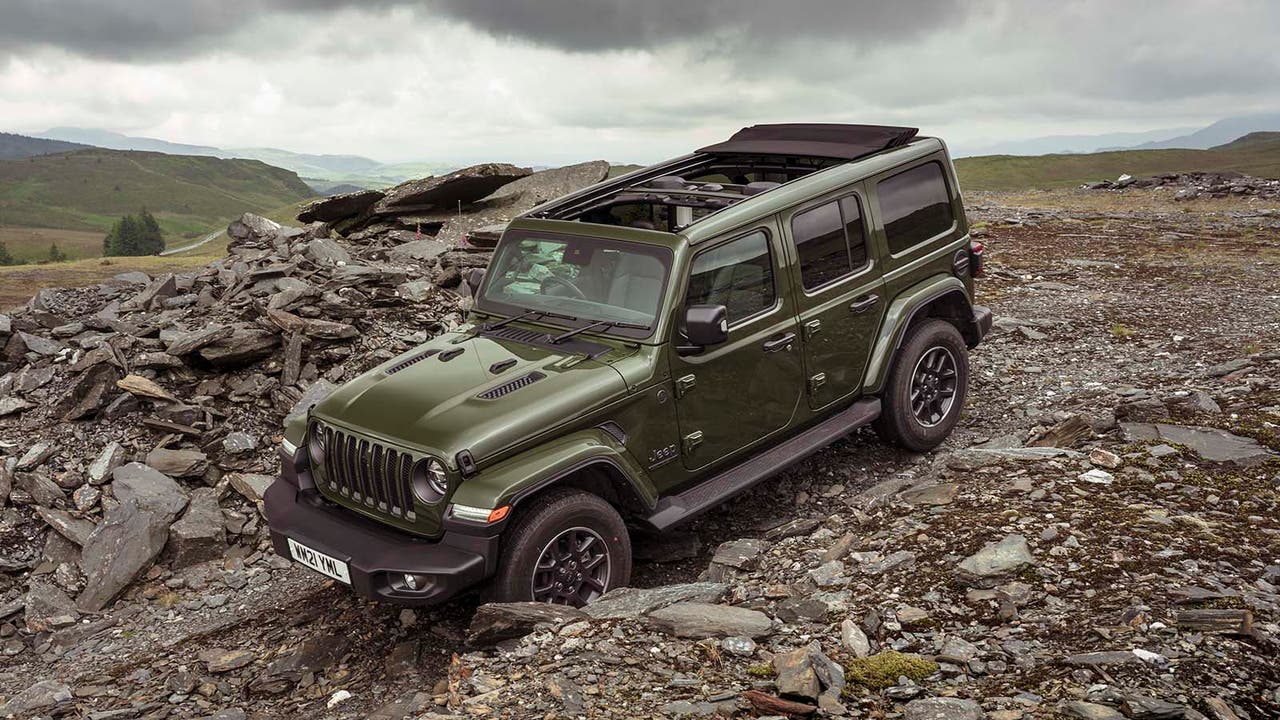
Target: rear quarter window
<point>915,205</point>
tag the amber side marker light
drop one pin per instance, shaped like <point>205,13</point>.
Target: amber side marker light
<point>498,513</point>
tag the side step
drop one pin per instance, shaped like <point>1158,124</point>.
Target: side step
<point>675,509</point>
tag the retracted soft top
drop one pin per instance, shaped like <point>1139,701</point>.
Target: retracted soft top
<point>828,140</point>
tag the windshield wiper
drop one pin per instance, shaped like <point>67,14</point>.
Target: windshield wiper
<point>603,323</point>
<point>526,313</point>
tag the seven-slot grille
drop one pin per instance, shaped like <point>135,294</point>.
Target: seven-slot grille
<point>368,472</point>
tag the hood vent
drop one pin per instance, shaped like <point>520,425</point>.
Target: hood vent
<point>410,361</point>
<point>511,386</point>
<point>517,334</point>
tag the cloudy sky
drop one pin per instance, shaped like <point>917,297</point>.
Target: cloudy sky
<point>625,80</point>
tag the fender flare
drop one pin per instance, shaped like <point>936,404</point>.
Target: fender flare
<point>517,478</point>
<point>899,316</point>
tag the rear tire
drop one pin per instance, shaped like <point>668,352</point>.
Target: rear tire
<point>566,547</point>
<point>927,386</point>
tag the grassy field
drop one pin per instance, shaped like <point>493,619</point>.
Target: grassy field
<point>32,244</point>
<point>19,282</point>
<point>1257,154</point>
<point>90,189</point>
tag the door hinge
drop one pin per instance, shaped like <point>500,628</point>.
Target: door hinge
<point>692,441</point>
<point>811,328</point>
<point>685,385</point>
<point>817,381</point>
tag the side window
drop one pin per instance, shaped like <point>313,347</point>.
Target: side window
<point>830,241</point>
<point>915,205</point>
<point>855,230</point>
<point>820,243</point>
<point>738,275</point>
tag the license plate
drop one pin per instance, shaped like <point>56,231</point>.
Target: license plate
<point>318,561</point>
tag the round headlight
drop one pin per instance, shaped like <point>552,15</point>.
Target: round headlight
<point>315,444</point>
<point>430,483</point>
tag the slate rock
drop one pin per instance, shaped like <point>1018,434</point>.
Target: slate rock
<point>73,528</point>
<point>943,709</point>
<point>41,489</point>
<point>218,660</point>
<point>189,342</point>
<point>12,405</point>
<point>252,226</point>
<point>628,602</point>
<point>324,251</point>
<point>1211,444</point>
<point>338,207</point>
<point>1088,711</point>
<point>941,494</point>
<point>466,186</point>
<point>698,620</point>
<point>495,622</point>
<point>250,485</point>
<point>200,534</point>
<point>994,561</point>
<point>48,608</point>
<point>150,489</point>
<point>854,639</point>
<point>122,548</point>
<point>178,463</point>
<point>794,675</point>
<point>109,458</point>
<point>314,394</point>
<point>417,250</point>
<point>40,695</point>
<point>533,190</point>
<point>243,346</point>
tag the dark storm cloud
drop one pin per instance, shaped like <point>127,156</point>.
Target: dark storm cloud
<point>596,25</point>
<point>142,29</point>
<point>162,29</point>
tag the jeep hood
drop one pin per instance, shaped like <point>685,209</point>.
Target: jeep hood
<point>435,405</point>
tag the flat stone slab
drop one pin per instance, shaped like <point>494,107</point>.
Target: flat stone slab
<point>446,191</point>
<point>703,620</point>
<point>1209,443</point>
<point>632,602</point>
<point>995,560</point>
<point>337,207</point>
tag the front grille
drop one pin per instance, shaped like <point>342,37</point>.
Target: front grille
<point>507,388</point>
<point>379,477</point>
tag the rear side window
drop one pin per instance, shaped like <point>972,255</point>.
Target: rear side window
<point>830,241</point>
<point>737,275</point>
<point>915,205</point>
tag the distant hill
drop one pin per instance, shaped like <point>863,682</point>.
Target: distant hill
<point>1255,154</point>
<point>1223,131</point>
<point>321,170</point>
<point>1071,143</point>
<point>90,189</point>
<point>13,147</point>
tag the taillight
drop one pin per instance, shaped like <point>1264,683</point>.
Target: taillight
<point>975,259</point>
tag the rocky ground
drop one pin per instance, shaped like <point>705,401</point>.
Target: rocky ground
<point>1099,538</point>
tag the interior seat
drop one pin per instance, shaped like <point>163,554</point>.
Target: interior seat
<point>637,281</point>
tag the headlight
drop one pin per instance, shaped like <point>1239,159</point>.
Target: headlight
<point>430,482</point>
<point>315,444</point>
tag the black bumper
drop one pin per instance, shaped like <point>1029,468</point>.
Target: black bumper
<point>377,556</point>
<point>982,321</point>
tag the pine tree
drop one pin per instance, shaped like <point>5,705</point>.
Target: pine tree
<point>134,235</point>
<point>5,257</point>
<point>56,255</point>
<point>150,237</point>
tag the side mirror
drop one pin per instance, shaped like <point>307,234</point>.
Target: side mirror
<point>706,324</point>
<point>474,277</point>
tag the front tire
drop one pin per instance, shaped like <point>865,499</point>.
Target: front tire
<point>566,547</point>
<point>926,390</point>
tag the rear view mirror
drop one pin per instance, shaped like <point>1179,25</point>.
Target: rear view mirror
<point>706,324</point>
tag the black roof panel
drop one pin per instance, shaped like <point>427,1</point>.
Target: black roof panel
<point>828,140</point>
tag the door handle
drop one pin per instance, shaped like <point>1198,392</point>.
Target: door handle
<point>864,303</point>
<point>781,343</point>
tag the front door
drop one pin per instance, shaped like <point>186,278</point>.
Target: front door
<point>730,395</point>
<point>840,294</point>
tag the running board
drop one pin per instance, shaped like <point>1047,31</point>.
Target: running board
<point>675,509</point>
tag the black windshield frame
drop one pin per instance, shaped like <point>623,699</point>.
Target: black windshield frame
<point>486,302</point>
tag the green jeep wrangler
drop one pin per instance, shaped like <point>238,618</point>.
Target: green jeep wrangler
<point>639,352</point>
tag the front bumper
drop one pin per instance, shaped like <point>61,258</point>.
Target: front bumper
<point>982,322</point>
<point>378,556</point>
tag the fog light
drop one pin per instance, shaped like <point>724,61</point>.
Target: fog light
<point>416,582</point>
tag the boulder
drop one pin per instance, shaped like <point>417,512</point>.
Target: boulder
<point>324,251</point>
<point>121,549</point>
<point>244,345</point>
<point>251,486</point>
<point>533,190</point>
<point>252,227</point>
<point>461,186</point>
<point>200,534</point>
<point>338,207</point>
<point>48,608</point>
<point>704,620</point>
<point>189,342</point>
<point>150,489</point>
<point>794,675</point>
<point>417,250</point>
<point>994,561</point>
<point>495,622</point>
<point>40,695</point>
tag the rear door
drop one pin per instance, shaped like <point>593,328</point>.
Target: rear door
<point>839,292</point>
<point>734,394</point>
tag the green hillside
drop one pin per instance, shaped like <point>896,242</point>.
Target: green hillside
<point>13,146</point>
<point>90,189</point>
<point>1255,154</point>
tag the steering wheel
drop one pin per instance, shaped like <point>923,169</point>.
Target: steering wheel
<point>557,280</point>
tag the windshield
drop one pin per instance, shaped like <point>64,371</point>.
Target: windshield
<point>591,279</point>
